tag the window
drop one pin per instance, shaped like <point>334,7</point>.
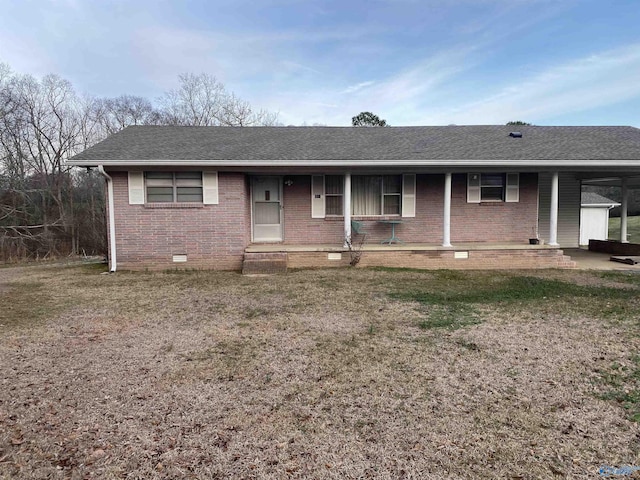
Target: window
<point>174,187</point>
<point>376,194</point>
<point>493,187</point>
<point>370,195</point>
<point>334,193</point>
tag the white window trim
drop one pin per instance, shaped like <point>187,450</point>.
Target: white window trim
<point>407,197</point>
<point>208,183</point>
<point>137,190</point>
<point>317,196</point>
<point>408,206</point>
<point>327,195</point>
<point>210,188</point>
<point>510,188</point>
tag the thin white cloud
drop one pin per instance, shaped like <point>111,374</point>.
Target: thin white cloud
<point>428,94</point>
<point>294,66</point>
<point>394,98</point>
<point>583,84</point>
<point>357,86</point>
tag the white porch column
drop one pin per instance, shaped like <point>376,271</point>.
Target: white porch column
<point>553,214</point>
<point>623,211</point>
<point>347,209</point>
<point>446,226</point>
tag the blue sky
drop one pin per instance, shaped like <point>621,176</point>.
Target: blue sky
<point>412,62</point>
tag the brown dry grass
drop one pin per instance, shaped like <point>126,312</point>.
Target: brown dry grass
<point>313,374</point>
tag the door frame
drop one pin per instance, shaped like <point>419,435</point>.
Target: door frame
<point>252,179</point>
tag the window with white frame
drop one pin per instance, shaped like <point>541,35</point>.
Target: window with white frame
<point>373,195</point>
<point>493,187</point>
<point>334,194</point>
<point>173,187</point>
<point>376,195</point>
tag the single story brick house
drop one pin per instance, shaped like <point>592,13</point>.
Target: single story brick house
<point>264,198</point>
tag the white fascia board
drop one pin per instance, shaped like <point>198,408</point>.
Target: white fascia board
<point>600,205</point>
<point>512,164</point>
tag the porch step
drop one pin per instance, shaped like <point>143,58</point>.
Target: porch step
<point>567,262</point>
<point>264,263</point>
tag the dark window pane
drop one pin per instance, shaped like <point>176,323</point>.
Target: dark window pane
<point>189,194</point>
<point>491,193</point>
<point>392,184</point>
<point>392,204</point>
<point>160,175</point>
<point>334,205</point>
<point>492,180</point>
<point>190,175</point>
<point>159,194</point>
<point>333,184</point>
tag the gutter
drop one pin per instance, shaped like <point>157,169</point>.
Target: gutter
<point>112,220</point>
<point>536,164</point>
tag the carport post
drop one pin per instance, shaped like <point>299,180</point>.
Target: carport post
<point>347,210</point>
<point>623,211</point>
<point>553,214</point>
<point>446,226</point>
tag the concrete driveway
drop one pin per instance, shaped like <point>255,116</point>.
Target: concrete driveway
<point>588,260</point>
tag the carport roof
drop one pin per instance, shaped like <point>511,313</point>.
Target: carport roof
<point>592,198</point>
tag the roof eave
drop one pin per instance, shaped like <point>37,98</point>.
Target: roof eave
<point>471,163</point>
<point>600,205</point>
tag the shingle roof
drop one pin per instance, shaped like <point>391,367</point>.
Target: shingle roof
<point>592,198</point>
<point>264,144</point>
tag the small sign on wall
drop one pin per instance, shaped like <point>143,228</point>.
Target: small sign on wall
<point>334,256</point>
<point>179,258</point>
<point>461,255</point>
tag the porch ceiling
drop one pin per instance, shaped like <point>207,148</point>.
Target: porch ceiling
<point>610,180</point>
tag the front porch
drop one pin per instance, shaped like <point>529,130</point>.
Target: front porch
<point>462,256</point>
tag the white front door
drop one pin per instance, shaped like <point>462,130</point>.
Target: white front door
<point>266,202</point>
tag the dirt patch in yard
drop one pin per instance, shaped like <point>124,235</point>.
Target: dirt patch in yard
<point>322,374</point>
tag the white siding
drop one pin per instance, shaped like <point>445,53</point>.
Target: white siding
<point>568,209</point>
<point>594,224</point>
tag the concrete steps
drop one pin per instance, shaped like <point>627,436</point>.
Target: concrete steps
<point>264,263</point>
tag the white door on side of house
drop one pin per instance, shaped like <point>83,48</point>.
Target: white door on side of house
<point>266,194</point>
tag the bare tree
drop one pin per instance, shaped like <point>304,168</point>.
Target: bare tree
<point>201,100</point>
<point>114,114</point>
<point>42,127</point>
<point>46,208</point>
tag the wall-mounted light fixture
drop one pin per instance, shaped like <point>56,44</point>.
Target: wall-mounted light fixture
<point>288,182</point>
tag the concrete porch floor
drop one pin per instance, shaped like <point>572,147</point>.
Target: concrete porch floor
<point>375,247</point>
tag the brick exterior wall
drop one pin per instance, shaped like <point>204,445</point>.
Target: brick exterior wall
<point>494,221</point>
<point>490,222</point>
<point>212,236</point>
<point>492,259</point>
<point>215,236</point>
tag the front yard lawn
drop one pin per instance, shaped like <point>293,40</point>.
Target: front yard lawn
<point>633,228</point>
<point>347,373</point>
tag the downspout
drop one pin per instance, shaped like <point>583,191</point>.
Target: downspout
<point>112,220</point>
